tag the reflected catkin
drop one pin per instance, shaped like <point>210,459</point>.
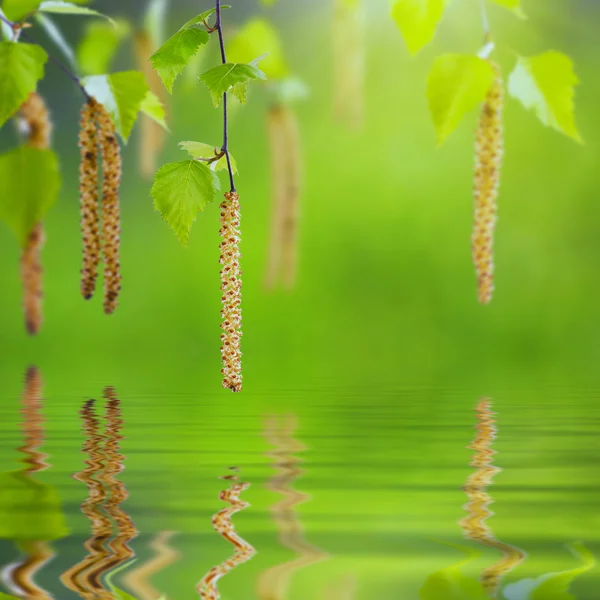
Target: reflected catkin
<point>488,161</point>
<point>207,587</point>
<point>474,525</point>
<point>274,583</point>
<point>103,505</point>
<point>88,197</point>
<point>38,553</point>
<point>139,579</point>
<point>231,290</point>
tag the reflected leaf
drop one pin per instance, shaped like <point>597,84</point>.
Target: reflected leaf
<point>29,510</point>
<point>451,584</point>
<point>553,586</point>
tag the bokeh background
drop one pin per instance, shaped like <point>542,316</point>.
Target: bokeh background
<point>386,288</point>
<point>384,314</point>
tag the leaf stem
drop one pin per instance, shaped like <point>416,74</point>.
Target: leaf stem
<point>225,147</point>
<point>17,28</point>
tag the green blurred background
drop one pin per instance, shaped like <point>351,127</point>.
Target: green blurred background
<point>384,315</point>
<point>386,290</point>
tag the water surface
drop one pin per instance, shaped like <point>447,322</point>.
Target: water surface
<point>328,493</point>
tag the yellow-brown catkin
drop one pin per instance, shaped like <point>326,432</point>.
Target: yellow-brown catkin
<point>88,198</point>
<point>286,177</point>
<point>111,165</point>
<point>231,290</point>
<point>36,124</point>
<point>31,276</point>
<point>349,52</point>
<point>489,151</point>
<point>36,121</point>
<point>152,135</point>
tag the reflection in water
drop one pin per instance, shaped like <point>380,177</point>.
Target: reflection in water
<point>274,582</point>
<point>30,502</point>
<point>474,524</point>
<point>102,507</point>
<point>344,589</point>
<point>222,524</point>
<point>138,579</point>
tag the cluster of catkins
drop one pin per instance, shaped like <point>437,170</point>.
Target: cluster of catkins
<point>488,161</point>
<point>100,153</point>
<point>37,127</point>
<point>231,290</point>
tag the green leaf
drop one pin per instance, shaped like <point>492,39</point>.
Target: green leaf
<point>121,595</point>
<point>99,45</point>
<point>29,185</point>
<point>153,107</point>
<point>15,10</point>
<point>545,84</point>
<point>6,32</point>
<point>259,37</point>
<point>171,58</point>
<point>418,21</point>
<point>556,585</point>
<point>122,94</point>
<point>457,84</point>
<point>553,586</point>
<point>7,597</point>
<point>451,584</point>
<point>200,150</point>
<point>69,8</point>
<point>230,77</point>
<point>514,5</point>
<point>21,67</point>
<point>181,190</point>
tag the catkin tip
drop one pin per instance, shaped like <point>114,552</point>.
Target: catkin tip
<point>31,276</point>
<point>231,287</point>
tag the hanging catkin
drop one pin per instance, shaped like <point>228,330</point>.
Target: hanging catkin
<point>31,277</point>
<point>88,198</point>
<point>36,124</point>
<point>111,230</point>
<point>231,289</point>
<point>349,62</point>
<point>286,178</point>
<point>152,135</point>
<point>36,121</point>
<point>488,152</point>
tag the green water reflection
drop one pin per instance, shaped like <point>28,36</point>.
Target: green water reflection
<point>324,503</point>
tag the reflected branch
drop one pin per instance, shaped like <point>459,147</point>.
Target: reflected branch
<point>475,525</point>
<point>273,584</point>
<point>222,524</point>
